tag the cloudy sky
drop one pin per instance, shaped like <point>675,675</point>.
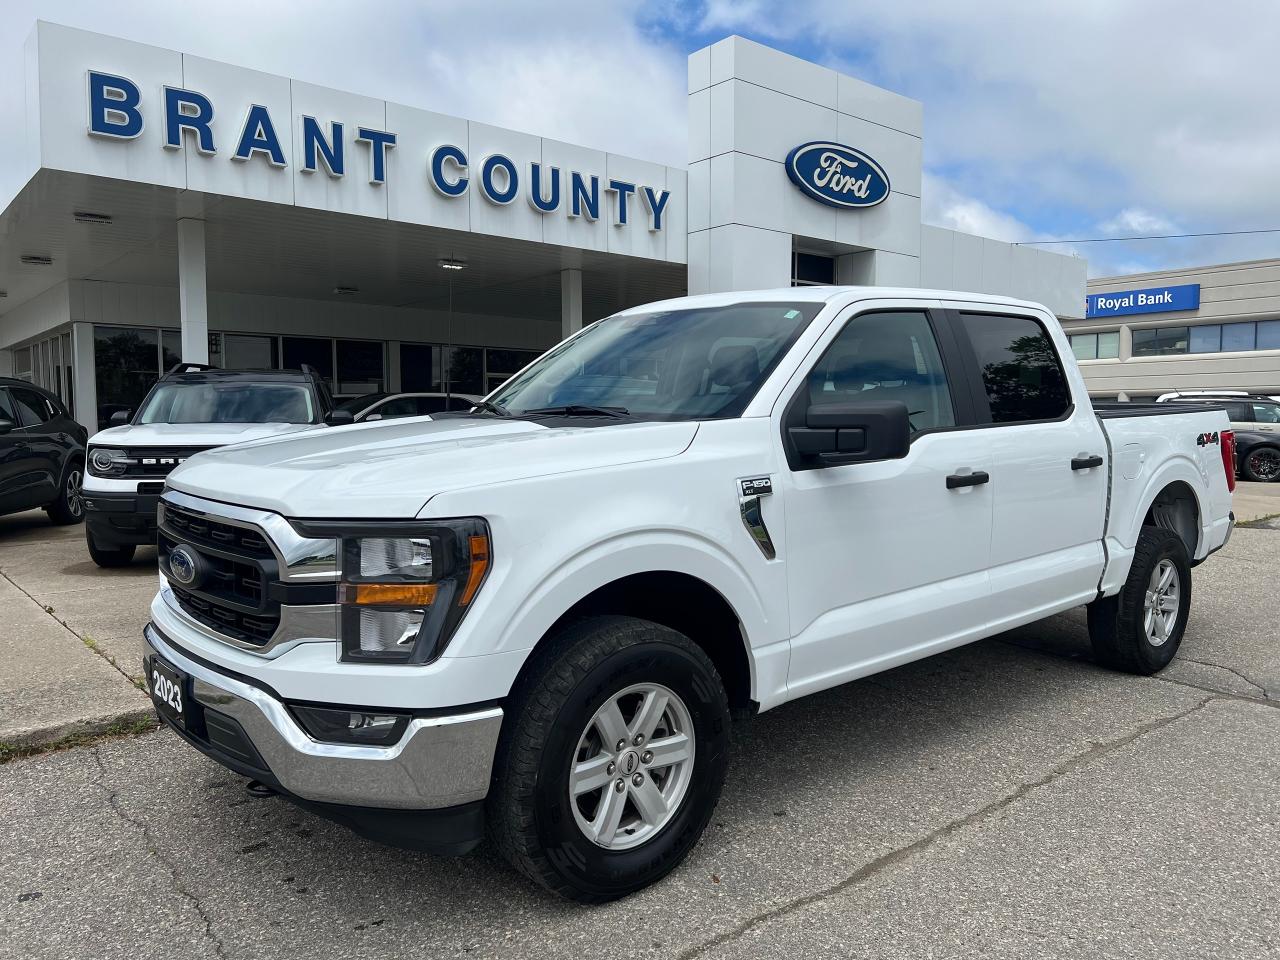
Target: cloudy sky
<point>1093,118</point>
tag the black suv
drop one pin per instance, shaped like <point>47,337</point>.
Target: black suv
<point>41,453</point>
<point>193,407</point>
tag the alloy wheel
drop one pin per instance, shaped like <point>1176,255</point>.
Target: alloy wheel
<point>1265,464</point>
<point>1161,603</point>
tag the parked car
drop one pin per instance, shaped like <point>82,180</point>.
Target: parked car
<point>541,615</point>
<point>388,406</point>
<point>1246,411</point>
<point>192,408</point>
<point>41,453</point>
<point>1258,456</point>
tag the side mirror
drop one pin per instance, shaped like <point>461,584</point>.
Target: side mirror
<point>120,418</point>
<point>340,418</point>
<point>6,426</point>
<point>838,433</point>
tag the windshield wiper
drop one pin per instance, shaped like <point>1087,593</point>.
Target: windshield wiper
<point>578,410</point>
<point>489,406</point>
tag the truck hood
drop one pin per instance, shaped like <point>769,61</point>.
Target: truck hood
<point>191,434</point>
<point>390,470</point>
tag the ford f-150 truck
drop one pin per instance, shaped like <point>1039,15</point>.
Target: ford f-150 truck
<point>537,617</point>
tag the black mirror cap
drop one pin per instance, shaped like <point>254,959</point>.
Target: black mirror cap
<point>120,418</point>
<point>340,418</point>
<point>7,426</point>
<point>835,434</point>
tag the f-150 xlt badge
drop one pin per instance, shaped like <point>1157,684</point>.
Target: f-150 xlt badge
<point>749,493</point>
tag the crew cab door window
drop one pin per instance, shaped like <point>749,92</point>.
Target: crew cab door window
<point>1020,369</point>
<point>887,356</point>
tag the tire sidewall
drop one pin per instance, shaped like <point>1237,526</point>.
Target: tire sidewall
<point>1153,657</point>
<point>581,862</point>
<point>1247,467</point>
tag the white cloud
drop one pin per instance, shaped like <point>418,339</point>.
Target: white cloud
<point>1134,220</point>
<point>945,206</point>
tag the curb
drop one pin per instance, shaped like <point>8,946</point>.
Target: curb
<point>25,743</point>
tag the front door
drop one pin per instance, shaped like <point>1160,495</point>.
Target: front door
<point>887,561</point>
<point>20,485</point>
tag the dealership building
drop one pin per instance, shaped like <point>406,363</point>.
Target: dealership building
<point>1199,328</point>
<point>177,208</point>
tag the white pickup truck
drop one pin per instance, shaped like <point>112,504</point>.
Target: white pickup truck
<point>538,617</point>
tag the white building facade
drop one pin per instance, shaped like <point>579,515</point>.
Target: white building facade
<point>179,208</point>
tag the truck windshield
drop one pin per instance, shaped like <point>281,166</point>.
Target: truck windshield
<point>236,401</point>
<point>695,364</point>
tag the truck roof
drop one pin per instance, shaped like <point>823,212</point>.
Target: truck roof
<point>824,294</point>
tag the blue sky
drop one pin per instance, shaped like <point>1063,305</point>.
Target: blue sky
<point>1042,120</point>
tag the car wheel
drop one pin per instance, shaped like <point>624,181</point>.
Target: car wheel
<point>612,761</point>
<point>1140,629</point>
<point>110,557</point>
<point>1262,464</point>
<point>69,507</point>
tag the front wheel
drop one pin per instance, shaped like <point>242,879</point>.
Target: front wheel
<point>1140,629</point>
<point>613,760</point>
<point>1261,464</point>
<point>110,556</point>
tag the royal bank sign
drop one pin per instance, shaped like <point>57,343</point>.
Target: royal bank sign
<point>189,120</point>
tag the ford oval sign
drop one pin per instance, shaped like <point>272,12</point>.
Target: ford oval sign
<point>837,175</point>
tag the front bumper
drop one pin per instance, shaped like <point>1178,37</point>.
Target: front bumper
<point>424,792</point>
<point>122,519</point>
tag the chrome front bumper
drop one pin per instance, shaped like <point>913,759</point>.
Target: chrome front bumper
<point>439,762</point>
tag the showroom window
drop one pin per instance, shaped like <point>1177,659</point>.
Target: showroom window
<point>313,351</point>
<point>127,363</point>
<point>810,269</point>
<point>502,365</point>
<point>1020,368</point>
<point>360,367</point>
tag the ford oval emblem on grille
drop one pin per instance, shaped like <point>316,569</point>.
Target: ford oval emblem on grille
<point>837,175</point>
<point>185,566</point>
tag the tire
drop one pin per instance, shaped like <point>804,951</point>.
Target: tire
<point>1261,464</point>
<point>69,507</point>
<point>1118,628</point>
<point>552,728</point>
<point>110,557</point>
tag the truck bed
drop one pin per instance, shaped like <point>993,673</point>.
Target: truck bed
<point>1116,410</point>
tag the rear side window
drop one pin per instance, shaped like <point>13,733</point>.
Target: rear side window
<point>1266,412</point>
<point>1238,412</point>
<point>33,409</point>
<point>1020,368</point>
<point>7,412</point>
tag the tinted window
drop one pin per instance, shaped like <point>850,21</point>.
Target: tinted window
<point>886,356</point>
<point>1238,336</point>
<point>417,367</point>
<point>311,351</point>
<point>1020,368</point>
<point>1160,341</point>
<point>1238,412</point>
<point>463,370</point>
<point>401,407</point>
<point>126,366</point>
<point>1206,338</point>
<point>1266,412</point>
<point>32,408</point>
<point>7,412</point>
<point>232,401</point>
<point>359,365</point>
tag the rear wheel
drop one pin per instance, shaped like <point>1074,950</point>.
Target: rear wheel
<point>1261,464</point>
<point>110,556</point>
<point>69,507</point>
<point>613,760</point>
<point>1140,629</point>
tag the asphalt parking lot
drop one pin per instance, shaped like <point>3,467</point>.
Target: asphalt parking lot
<point>1009,799</point>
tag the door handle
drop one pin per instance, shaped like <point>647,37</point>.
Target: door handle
<point>1085,463</point>
<point>977,478</point>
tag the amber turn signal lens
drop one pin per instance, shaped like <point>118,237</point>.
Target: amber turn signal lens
<point>388,594</point>
<point>479,564</point>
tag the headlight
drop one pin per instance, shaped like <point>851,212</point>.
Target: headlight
<point>106,462</point>
<point>405,587</point>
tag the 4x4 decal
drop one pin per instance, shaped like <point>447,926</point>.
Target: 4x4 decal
<point>1207,438</point>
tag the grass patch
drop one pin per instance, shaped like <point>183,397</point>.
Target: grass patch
<point>131,727</point>
<point>1264,522</point>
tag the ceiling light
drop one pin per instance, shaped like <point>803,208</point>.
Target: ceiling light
<point>449,264</point>
<point>82,216</point>
<point>345,291</point>
<point>32,260</point>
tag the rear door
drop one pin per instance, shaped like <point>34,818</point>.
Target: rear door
<point>46,442</point>
<point>886,561</point>
<point>1049,476</point>
<point>1266,416</point>
<point>22,475</point>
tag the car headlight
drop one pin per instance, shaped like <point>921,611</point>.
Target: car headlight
<point>106,462</point>
<point>405,587</point>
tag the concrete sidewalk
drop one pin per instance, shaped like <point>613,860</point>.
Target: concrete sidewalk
<point>1256,501</point>
<point>69,638</point>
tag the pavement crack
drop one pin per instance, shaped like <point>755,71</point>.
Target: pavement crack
<point>87,641</point>
<point>113,801</point>
<point>888,860</point>
<point>1232,670</point>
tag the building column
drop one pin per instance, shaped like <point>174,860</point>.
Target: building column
<point>393,366</point>
<point>570,302</point>
<point>1126,342</point>
<point>6,363</point>
<point>192,294</point>
<point>84,380</point>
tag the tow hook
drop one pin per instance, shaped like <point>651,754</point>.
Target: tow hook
<point>256,788</point>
